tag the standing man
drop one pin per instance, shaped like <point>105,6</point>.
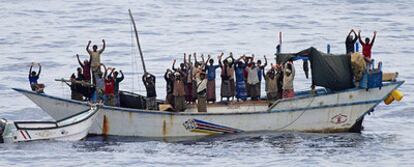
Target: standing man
<point>95,56</point>
<point>350,42</point>
<point>201,91</point>
<point>178,92</point>
<point>109,88</point>
<point>261,70</point>
<point>253,80</point>
<point>169,78</point>
<point>149,82</point>
<point>271,86</point>
<point>211,77</point>
<point>240,66</point>
<point>116,89</point>
<point>367,46</point>
<point>33,77</point>
<point>86,68</point>
<point>288,77</point>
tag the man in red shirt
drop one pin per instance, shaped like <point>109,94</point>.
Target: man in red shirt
<point>367,46</point>
<point>109,88</point>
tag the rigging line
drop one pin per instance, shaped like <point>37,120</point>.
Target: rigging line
<point>297,118</point>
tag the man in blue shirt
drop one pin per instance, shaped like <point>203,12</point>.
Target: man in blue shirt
<point>33,77</point>
<point>211,80</point>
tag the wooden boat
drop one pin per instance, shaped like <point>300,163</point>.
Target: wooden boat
<point>327,111</point>
<point>71,128</point>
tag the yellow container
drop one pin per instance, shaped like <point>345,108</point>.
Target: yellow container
<point>389,100</point>
<point>397,95</point>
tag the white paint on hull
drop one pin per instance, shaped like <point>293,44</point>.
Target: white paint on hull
<point>323,113</point>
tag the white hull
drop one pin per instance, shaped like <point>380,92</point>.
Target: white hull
<point>72,128</point>
<point>332,112</point>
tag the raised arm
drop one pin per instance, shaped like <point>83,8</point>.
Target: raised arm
<point>30,70</point>
<point>359,37</point>
<point>144,79</point>
<point>373,38</point>
<point>219,60</point>
<point>103,65</point>
<point>112,70</point>
<point>122,75</point>
<point>166,74</point>
<point>173,67</point>
<point>87,46</point>
<point>80,63</point>
<point>356,36</point>
<point>195,57</point>
<point>265,64</point>
<point>40,70</point>
<point>103,46</point>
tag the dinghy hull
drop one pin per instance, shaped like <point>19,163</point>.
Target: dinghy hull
<point>72,128</point>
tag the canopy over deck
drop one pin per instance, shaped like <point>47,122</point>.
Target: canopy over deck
<point>328,70</point>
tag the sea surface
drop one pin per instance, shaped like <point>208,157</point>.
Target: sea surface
<point>52,32</point>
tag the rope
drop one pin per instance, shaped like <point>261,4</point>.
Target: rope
<point>287,125</point>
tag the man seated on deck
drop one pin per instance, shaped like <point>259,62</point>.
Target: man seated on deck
<point>149,82</point>
<point>75,93</point>
<point>33,77</point>
<point>95,56</point>
<point>350,42</point>
<point>367,46</point>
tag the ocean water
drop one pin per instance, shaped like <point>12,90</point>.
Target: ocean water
<point>52,32</point>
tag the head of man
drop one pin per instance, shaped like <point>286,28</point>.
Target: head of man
<point>202,76</point>
<point>177,76</point>
<point>95,48</point>
<point>350,38</point>
<point>196,64</point>
<point>33,73</point>
<point>271,74</point>
<point>79,70</point>
<point>149,78</point>
<point>211,61</point>
<point>115,74</point>
<point>86,61</point>
<point>259,62</point>
<point>182,66</point>
<point>367,40</point>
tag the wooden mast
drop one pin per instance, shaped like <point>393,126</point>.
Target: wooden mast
<point>137,38</point>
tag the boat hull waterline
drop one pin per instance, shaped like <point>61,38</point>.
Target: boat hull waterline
<point>331,112</point>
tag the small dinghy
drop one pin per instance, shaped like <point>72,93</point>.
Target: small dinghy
<point>71,128</point>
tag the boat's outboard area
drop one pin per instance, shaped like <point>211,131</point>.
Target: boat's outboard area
<point>3,123</point>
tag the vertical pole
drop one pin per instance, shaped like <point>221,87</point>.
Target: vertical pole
<point>136,35</point>
<point>328,48</point>
<point>280,41</point>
